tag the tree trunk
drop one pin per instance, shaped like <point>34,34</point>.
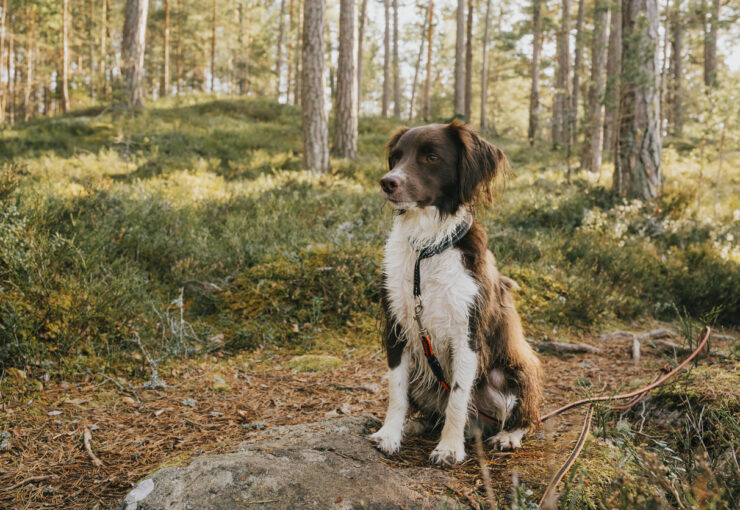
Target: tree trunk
<point>104,37</point>
<point>534,96</point>
<point>164,83</point>
<point>360,40</point>
<point>315,131</point>
<point>345,143</point>
<point>710,44</point>
<point>676,95</point>
<point>573,110</point>
<point>134,41</point>
<point>396,70</point>
<point>279,59</point>
<point>242,64</point>
<point>29,57</point>
<point>298,72</point>
<point>386,60</point>
<point>3,88</point>
<point>428,84</point>
<point>416,68</point>
<point>460,61</point>
<point>591,156</point>
<point>611,94</point>
<point>91,47</point>
<point>213,46</point>
<point>560,104</point>
<point>637,170</point>
<point>469,63</point>
<point>65,56</point>
<point>484,75</point>
<point>178,50</point>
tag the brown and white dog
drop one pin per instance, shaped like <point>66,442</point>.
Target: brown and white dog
<point>438,173</point>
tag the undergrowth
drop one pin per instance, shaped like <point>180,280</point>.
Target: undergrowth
<point>108,217</point>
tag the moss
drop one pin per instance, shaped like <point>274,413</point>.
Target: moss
<point>314,363</point>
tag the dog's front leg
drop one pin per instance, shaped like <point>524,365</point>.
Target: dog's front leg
<point>389,436</point>
<point>451,447</point>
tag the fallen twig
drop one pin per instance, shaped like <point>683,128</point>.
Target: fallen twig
<point>31,479</point>
<point>627,335</point>
<point>563,347</point>
<point>86,439</point>
<point>121,387</point>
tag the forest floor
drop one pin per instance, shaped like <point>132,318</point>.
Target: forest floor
<point>186,237</point>
<point>211,403</point>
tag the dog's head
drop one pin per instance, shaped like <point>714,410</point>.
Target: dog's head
<point>440,165</point>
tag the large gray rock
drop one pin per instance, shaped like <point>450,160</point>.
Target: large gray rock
<point>329,464</point>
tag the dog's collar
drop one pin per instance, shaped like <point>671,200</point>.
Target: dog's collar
<point>434,249</point>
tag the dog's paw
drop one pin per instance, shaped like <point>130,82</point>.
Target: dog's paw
<point>452,454</point>
<point>508,439</point>
<point>388,441</point>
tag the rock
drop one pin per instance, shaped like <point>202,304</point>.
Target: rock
<point>314,363</point>
<point>329,464</point>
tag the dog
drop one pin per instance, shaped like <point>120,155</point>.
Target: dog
<point>437,176</point>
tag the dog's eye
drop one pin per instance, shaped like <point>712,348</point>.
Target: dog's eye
<point>432,157</point>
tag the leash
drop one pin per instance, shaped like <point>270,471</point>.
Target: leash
<point>665,372</point>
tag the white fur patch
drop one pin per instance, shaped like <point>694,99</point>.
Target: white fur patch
<point>508,439</point>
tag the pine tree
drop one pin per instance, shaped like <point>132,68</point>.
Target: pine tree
<point>591,155</point>
<point>315,130</point>
<point>637,169</point>
<point>345,144</point>
<point>534,95</point>
<point>460,60</point>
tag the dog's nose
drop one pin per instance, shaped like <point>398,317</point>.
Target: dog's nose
<point>390,183</point>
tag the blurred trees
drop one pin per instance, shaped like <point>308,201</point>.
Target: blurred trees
<point>543,71</point>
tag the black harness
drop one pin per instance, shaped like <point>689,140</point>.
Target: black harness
<point>429,251</point>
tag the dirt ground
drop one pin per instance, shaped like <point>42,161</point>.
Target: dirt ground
<point>212,403</point>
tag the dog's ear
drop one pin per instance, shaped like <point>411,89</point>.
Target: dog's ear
<point>478,165</point>
<point>395,137</point>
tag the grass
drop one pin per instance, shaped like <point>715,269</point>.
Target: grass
<point>192,224</point>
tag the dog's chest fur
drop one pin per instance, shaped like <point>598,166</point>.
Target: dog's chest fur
<point>448,292</point>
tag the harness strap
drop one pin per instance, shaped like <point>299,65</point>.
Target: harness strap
<point>426,342</point>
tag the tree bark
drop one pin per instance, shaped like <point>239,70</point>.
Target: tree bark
<point>611,94</point>
<point>560,104</point>
<point>29,57</point>
<point>65,57</point>
<point>469,62</point>
<point>416,67</point>
<point>573,110</point>
<point>428,84</point>
<point>3,87</point>
<point>315,131</point>
<point>460,61</point>
<point>279,59</point>
<point>676,92</point>
<point>484,76</point>
<point>164,83</point>
<point>213,46</point>
<point>386,60</point>
<point>637,170</point>
<point>345,143</point>
<point>104,38</point>
<point>91,47</point>
<point>360,40</point>
<point>396,70</point>
<point>134,45</point>
<point>534,95</point>
<point>241,65</point>
<point>591,155</point>
<point>710,44</point>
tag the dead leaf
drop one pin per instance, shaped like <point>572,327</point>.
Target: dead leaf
<point>130,401</point>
